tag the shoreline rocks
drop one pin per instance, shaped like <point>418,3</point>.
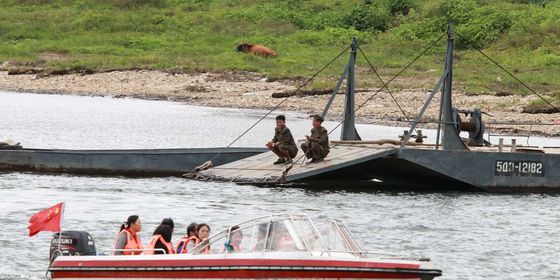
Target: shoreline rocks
<point>255,91</point>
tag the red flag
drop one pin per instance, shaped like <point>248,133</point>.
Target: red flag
<point>46,220</point>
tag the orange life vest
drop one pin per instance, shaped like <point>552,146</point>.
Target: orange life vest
<point>132,242</point>
<point>152,244</point>
<point>184,241</point>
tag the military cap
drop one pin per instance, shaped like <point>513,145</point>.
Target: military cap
<point>318,118</point>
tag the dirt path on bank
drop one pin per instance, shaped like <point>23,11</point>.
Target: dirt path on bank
<point>250,90</point>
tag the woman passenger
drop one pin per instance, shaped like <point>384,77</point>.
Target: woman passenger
<point>161,240</point>
<point>127,241</point>
<point>189,241</point>
<point>232,244</point>
<point>203,233</point>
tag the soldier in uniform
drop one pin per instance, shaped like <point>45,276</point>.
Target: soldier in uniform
<point>317,145</point>
<point>283,144</point>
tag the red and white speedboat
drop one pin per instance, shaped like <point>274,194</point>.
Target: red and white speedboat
<point>288,246</point>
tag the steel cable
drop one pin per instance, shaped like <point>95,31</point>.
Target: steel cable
<point>505,70</point>
<point>386,87</point>
<point>380,89</point>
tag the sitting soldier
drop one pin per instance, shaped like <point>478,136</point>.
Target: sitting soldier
<point>283,144</point>
<point>317,145</point>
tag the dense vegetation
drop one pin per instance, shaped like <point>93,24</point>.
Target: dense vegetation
<point>200,35</point>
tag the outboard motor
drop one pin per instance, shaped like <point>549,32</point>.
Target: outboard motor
<point>72,243</point>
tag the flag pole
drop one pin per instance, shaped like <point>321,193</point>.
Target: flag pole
<point>60,232</point>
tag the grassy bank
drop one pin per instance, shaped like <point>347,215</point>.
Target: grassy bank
<point>200,35</point>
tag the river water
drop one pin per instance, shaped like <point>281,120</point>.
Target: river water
<point>467,235</point>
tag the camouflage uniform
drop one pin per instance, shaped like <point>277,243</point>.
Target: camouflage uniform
<point>283,137</point>
<point>318,143</point>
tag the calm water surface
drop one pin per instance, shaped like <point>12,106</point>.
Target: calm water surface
<point>468,235</point>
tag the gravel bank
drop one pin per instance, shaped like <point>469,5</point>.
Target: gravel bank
<point>249,90</point>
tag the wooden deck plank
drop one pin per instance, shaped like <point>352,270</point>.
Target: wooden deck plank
<point>259,168</point>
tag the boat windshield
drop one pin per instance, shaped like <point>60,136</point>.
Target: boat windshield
<point>281,233</point>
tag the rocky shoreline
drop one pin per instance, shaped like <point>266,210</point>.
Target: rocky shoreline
<point>255,91</point>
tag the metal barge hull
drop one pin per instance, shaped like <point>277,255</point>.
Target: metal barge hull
<point>133,162</point>
<point>421,168</point>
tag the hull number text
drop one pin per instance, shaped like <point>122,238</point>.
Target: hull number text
<point>518,168</point>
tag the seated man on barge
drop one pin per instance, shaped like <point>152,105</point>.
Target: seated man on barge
<point>317,145</point>
<point>283,144</point>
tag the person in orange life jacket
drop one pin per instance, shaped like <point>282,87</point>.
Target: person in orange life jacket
<point>189,241</point>
<point>161,239</point>
<point>233,243</point>
<point>203,232</point>
<point>127,238</point>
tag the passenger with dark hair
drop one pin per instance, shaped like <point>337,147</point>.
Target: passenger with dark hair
<point>203,233</point>
<point>189,241</point>
<point>283,144</point>
<point>169,222</point>
<point>127,241</point>
<point>161,239</point>
<point>233,242</point>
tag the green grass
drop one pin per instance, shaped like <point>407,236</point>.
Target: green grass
<point>200,35</point>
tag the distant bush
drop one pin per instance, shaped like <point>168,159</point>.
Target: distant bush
<point>457,11</point>
<point>400,6</point>
<point>486,26</point>
<point>477,25</point>
<point>368,17</point>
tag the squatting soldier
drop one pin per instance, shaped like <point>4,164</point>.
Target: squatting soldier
<point>283,144</point>
<point>317,145</point>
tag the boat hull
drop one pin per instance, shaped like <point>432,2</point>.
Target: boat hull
<point>153,268</point>
<point>133,162</point>
<point>442,170</point>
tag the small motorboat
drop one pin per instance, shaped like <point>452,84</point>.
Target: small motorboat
<point>288,246</point>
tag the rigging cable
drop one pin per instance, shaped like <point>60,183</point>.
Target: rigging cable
<point>505,70</point>
<point>378,91</point>
<point>386,87</point>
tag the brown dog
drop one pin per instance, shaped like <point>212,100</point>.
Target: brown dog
<point>256,50</point>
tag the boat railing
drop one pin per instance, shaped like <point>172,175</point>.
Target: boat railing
<point>284,232</point>
<point>381,255</point>
<point>349,242</point>
<point>268,221</point>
